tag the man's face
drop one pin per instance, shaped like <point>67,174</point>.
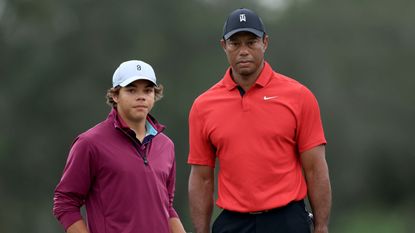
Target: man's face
<point>245,52</point>
<point>135,101</point>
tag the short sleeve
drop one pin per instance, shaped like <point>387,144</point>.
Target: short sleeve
<point>201,151</point>
<point>310,131</point>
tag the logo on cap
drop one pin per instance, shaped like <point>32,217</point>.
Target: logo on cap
<point>242,18</point>
<point>238,21</point>
<point>138,67</point>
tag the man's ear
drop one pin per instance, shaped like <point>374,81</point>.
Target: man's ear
<point>265,41</point>
<point>223,44</point>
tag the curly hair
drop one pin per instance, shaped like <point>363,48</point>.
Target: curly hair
<point>114,91</point>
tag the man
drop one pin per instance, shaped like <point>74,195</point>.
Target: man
<point>265,129</point>
<point>123,169</point>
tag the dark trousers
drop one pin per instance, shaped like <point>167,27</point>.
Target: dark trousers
<point>292,218</point>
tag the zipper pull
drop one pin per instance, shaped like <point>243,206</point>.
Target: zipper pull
<point>145,161</point>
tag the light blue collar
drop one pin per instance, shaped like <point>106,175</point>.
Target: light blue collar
<point>150,130</point>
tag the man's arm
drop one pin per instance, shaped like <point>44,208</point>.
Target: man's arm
<point>201,182</point>
<point>78,227</point>
<point>318,185</point>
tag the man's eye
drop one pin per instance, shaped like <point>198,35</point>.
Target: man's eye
<point>252,42</point>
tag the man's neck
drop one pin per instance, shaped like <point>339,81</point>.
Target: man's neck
<point>244,81</point>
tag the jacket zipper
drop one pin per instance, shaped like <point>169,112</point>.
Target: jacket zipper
<point>143,156</point>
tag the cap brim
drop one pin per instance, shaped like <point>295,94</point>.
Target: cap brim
<point>251,30</point>
<point>135,78</point>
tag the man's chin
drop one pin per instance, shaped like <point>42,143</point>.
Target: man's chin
<point>245,71</point>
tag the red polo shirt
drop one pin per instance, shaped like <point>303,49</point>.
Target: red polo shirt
<point>257,138</point>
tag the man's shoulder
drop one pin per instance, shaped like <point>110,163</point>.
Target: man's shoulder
<point>283,81</point>
<point>286,79</point>
<point>215,91</point>
<point>291,87</point>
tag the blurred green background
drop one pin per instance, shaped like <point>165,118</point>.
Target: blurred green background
<point>57,59</point>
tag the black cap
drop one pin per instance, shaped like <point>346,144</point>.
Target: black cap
<point>243,20</point>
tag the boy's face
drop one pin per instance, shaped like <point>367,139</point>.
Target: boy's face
<point>135,100</point>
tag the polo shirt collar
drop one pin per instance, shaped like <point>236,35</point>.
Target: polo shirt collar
<point>263,78</point>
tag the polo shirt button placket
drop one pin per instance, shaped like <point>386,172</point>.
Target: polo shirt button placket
<point>245,103</point>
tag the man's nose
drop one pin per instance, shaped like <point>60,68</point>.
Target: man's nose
<point>244,48</point>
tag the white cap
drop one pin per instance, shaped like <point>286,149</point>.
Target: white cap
<point>131,71</point>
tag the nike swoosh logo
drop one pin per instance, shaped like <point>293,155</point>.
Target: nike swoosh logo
<point>270,97</point>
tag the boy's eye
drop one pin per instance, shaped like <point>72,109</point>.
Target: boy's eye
<point>148,90</point>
